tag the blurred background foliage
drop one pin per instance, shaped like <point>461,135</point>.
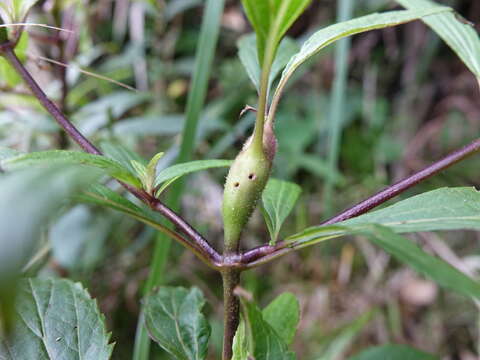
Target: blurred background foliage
<point>408,101</point>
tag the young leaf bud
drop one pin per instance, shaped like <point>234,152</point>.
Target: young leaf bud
<point>245,182</point>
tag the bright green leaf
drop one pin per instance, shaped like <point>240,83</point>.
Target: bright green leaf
<point>330,34</point>
<point>182,169</point>
<point>278,199</point>
<point>283,315</point>
<point>456,32</point>
<point>174,320</point>
<point>259,339</point>
<point>393,352</point>
<point>64,157</point>
<point>272,18</point>
<point>57,319</point>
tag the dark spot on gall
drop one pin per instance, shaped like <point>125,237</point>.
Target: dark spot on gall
<point>251,176</point>
<point>236,184</point>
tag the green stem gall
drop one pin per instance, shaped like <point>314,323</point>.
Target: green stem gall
<point>245,182</point>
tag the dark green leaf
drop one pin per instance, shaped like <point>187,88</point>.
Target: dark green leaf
<point>460,35</point>
<point>174,320</point>
<point>393,352</point>
<point>278,199</point>
<point>283,315</point>
<point>57,319</point>
<point>64,157</point>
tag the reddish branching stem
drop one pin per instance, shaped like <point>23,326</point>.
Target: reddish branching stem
<point>261,254</point>
<point>197,243</point>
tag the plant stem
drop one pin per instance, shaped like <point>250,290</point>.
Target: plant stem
<point>231,310</point>
<point>204,247</point>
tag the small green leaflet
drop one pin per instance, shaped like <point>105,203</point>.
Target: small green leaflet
<point>459,35</point>
<point>256,338</point>
<point>64,157</point>
<point>272,19</point>
<point>278,199</point>
<point>393,352</point>
<point>247,52</point>
<point>332,33</point>
<point>57,319</point>
<point>174,320</point>
<point>172,173</point>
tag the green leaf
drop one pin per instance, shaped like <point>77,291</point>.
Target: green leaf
<point>436,269</point>
<point>460,35</point>
<point>174,320</point>
<point>28,199</point>
<point>103,196</point>
<point>272,18</point>
<point>247,52</point>
<point>259,339</point>
<point>57,319</point>
<point>278,199</point>
<point>332,33</point>
<point>182,169</point>
<point>441,209</point>
<point>393,352</point>
<point>283,315</point>
<point>64,157</point>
